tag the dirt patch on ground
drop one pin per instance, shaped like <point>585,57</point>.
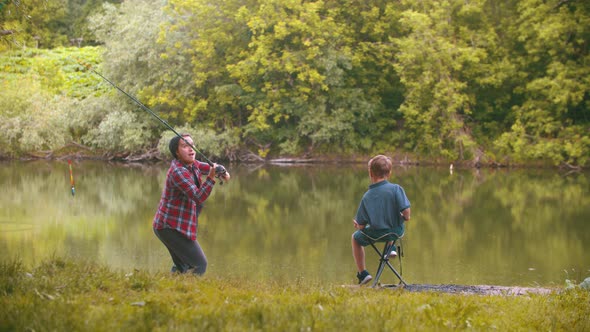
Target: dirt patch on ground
<point>474,289</point>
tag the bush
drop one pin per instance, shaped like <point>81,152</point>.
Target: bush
<point>31,119</point>
<point>208,143</point>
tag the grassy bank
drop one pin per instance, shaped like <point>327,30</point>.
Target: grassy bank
<point>60,295</point>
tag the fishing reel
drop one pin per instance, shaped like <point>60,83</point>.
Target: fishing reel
<point>220,171</point>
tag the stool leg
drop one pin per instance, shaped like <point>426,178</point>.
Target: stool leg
<point>397,274</point>
<point>378,275</point>
<point>383,259</point>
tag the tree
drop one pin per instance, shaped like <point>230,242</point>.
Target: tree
<point>433,54</point>
<point>35,23</point>
<point>46,23</point>
<point>283,71</point>
<point>553,120</point>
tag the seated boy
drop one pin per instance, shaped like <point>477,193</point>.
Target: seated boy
<point>383,209</point>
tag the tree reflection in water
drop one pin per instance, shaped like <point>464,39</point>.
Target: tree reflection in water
<point>489,226</point>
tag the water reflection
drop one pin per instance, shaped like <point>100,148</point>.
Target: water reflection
<point>519,227</point>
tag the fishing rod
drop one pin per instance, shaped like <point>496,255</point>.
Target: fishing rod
<point>145,108</point>
<point>219,170</point>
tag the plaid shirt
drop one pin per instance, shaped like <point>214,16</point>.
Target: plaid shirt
<point>183,197</point>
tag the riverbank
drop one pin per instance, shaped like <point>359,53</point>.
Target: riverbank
<point>79,152</point>
<point>80,296</point>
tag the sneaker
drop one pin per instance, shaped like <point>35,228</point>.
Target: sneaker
<point>364,277</point>
<point>178,270</point>
<point>393,254</point>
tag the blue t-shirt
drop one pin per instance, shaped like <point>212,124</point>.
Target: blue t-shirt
<point>381,206</point>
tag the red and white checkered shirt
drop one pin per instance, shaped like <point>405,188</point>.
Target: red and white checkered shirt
<point>183,197</point>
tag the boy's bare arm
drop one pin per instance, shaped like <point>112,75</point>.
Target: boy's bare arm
<point>357,225</point>
<point>406,214</point>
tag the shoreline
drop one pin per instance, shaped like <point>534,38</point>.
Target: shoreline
<point>78,152</point>
<point>297,161</point>
<point>478,289</point>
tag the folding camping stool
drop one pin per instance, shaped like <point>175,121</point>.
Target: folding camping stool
<point>390,240</point>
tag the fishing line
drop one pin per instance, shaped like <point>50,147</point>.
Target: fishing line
<point>72,178</point>
<point>145,108</point>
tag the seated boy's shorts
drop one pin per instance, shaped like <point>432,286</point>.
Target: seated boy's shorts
<point>366,236</point>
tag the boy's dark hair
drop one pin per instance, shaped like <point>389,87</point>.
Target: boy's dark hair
<point>380,166</point>
<point>173,145</point>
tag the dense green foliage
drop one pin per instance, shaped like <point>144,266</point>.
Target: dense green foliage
<point>78,296</point>
<point>47,23</point>
<point>483,81</point>
<point>48,100</point>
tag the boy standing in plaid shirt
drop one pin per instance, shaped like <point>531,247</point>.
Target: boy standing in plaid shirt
<point>176,220</point>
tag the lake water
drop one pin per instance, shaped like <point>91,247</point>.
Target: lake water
<point>278,223</point>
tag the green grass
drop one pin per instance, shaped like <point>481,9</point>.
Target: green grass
<point>60,295</point>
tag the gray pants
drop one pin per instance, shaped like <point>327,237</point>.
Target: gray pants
<point>186,254</point>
